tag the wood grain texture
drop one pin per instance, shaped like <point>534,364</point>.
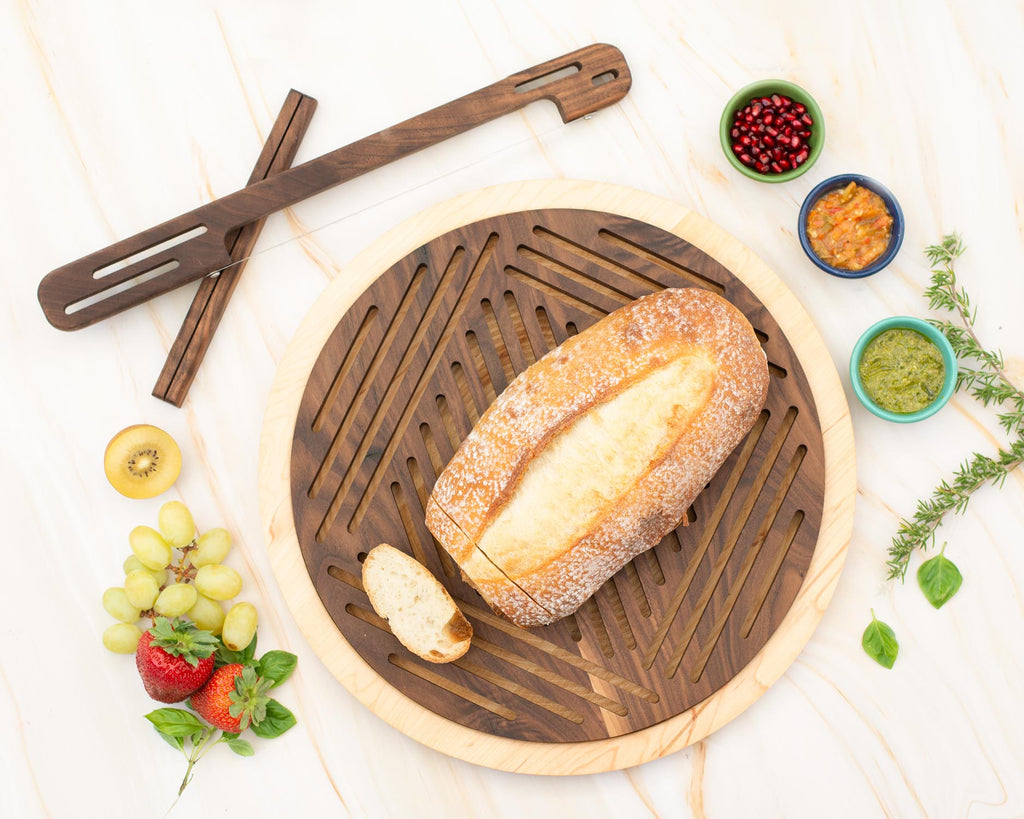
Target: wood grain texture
<point>211,299</point>
<point>607,716</point>
<point>399,383</point>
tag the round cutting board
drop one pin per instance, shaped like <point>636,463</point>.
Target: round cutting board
<point>393,365</point>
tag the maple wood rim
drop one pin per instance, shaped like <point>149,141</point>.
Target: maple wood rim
<point>591,756</point>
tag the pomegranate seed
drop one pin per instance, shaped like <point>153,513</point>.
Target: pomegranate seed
<point>769,134</point>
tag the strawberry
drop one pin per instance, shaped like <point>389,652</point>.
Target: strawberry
<point>234,698</point>
<point>174,659</point>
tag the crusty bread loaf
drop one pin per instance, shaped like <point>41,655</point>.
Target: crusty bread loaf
<point>419,610</point>
<point>595,452</point>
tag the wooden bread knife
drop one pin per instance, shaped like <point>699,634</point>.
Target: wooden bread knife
<point>194,244</point>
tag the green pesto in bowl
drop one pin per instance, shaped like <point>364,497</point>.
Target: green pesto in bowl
<point>901,370</point>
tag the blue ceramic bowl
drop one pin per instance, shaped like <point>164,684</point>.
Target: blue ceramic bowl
<point>929,332</point>
<point>891,205</point>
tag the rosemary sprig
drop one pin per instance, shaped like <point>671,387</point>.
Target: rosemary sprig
<point>949,496</point>
<point>988,383</point>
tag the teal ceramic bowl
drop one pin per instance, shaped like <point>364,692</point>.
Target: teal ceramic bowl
<point>765,88</point>
<point>934,336</point>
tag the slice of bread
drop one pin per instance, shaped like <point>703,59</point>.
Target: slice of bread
<point>419,610</point>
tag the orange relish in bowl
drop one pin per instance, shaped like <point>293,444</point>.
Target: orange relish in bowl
<point>849,228</point>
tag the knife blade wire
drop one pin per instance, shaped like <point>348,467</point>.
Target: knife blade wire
<point>534,137</point>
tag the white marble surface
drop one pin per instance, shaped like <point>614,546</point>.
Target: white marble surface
<point>119,115</point>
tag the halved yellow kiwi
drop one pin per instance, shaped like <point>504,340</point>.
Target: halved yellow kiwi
<point>142,461</point>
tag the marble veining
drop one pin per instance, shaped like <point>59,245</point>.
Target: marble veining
<point>121,115</point>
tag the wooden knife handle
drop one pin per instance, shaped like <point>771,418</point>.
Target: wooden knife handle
<point>73,296</point>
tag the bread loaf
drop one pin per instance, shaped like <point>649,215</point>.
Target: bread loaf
<point>594,453</point>
<point>419,610</point>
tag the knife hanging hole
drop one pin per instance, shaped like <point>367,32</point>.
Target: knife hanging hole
<point>604,77</point>
<point>546,79</point>
<point>127,261</point>
<point>159,270</point>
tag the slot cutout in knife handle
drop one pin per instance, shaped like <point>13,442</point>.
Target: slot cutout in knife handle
<point>73,297</point>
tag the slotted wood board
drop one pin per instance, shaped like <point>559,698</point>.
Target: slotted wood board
<point>399,381</point>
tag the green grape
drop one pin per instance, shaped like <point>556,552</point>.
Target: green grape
<point>149,547</point>
<point>131,563</point>
<point>176,524</point>
<point>118,606</point>
<point>218,582</point>
<point>239,626</point>
<point>122,638</point>
<point>212,547</point>
<point>207,614</point>
<point>141,589</point>
<point>175,600</point>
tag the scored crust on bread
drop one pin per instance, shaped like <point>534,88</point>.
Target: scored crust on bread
<point>494,585</point>
<point>420,612</point>
<point>594,453</point>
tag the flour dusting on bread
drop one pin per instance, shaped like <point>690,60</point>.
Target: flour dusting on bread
<point>595,452</point>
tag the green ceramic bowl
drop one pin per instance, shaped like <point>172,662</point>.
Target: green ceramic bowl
<point>930,333</point>
<point>765,88</point>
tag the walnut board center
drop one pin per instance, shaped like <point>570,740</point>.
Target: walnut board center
<point>401,380</point>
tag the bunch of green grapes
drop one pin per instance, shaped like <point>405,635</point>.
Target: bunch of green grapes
<point>173,571</point>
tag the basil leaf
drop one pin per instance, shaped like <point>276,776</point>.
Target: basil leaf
<point>276,666</point>
<point>250,650</point>
<point>939,579</point>
<point>239,746</point>
<point>226,656</point>
<point>174,742</point>
<point>175,722</point>
<point>278,720</point>
<point>880,643</point>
